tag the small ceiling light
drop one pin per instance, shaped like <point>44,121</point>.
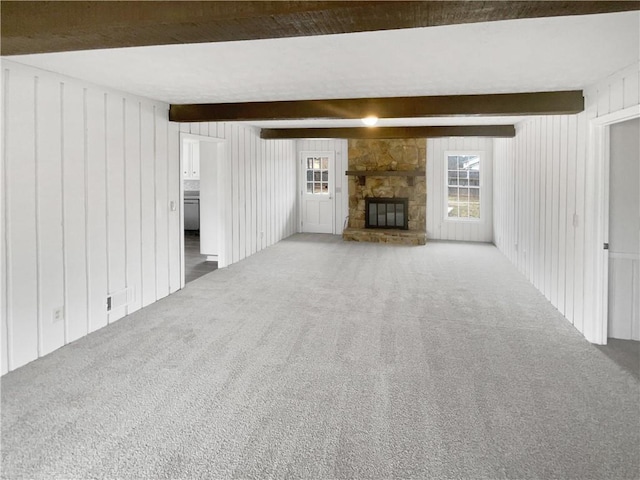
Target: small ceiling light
<point>370,121</point>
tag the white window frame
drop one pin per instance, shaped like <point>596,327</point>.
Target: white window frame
<point>445,210</point>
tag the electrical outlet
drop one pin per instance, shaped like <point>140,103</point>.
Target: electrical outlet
<point>58,314</point>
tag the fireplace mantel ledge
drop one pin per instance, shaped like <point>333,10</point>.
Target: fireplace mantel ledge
<point>361,174</point>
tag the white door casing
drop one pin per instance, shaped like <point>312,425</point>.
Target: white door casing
<point>317,191</point>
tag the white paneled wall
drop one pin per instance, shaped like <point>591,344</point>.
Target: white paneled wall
<point>88,174</point>
<point>341,181</point>
<point>546,199</point>
<point>263,186</point>
<point>539,206</point>
<point>615,93</point>
<point>439,228</point>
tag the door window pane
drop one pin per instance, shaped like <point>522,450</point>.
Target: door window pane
<point>317,175</point>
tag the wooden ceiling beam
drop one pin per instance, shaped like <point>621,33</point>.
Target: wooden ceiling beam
<point>55,26</point>
<point>495,131</point>
<point>541,103</point>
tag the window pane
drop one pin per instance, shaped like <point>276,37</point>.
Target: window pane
<point>325,176</point>
<point>309,187</point>
<point>309,175</point>
<point>316,188</point>
<point>325,187</point>
<point>472,162</point>
<point>463,192</point>
<point>316,176</point>
<point>316,163</point>
<point>463,210</point>
<point>474,209</point>
<point>325,163</point>
<point>310,163</point>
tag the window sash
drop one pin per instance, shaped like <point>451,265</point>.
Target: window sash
<point>463,186</point>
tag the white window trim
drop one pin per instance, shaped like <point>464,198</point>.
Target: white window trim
<point>445,196</point>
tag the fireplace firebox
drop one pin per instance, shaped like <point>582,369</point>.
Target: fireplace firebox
<point>387,213</point>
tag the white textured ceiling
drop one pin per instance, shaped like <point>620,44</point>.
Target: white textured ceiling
<point>545,54</point>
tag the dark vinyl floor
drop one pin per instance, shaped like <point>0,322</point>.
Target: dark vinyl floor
<point>626,353</point>
<point>195,264</point>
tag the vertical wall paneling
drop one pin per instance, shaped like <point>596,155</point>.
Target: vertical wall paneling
<point>48,133</point>
<point>562,159</point>
<point>242,193</point>
<point>235,175</point>
<point>161,204</point>
<point>254,193</point>
<point>96,208</point>
<point>580,221</point>
<point>570,213</point>
<point>259,191</point>
<point>78,202</point>
<point>263,195</point>
<point>555,211</point>
<point>4,311</point>
<point>559,224</point>
<point>132,162</point>
<point>95,172</point>
<point>20,219</point>
<point>173,205</point>
<point>116,226</point>
<point>229,198</point>
<point>631,89</point>
<point>147,205</point>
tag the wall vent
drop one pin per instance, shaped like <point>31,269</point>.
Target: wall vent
<point>119,299</point>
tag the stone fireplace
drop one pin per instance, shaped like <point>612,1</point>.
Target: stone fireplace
<point>386,174</point>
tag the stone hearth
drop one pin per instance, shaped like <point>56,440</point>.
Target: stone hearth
<point>403,155</point>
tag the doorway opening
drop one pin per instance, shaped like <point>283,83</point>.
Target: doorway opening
<point>203,174</point>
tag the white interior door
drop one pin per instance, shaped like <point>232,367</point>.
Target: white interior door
<point>317,191</point>
<point>624,231</point>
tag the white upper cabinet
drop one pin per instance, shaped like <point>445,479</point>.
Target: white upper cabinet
<point>191,160</point>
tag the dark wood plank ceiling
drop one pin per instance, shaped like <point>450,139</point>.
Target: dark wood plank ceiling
<point>494,131</point>
<point>56,26</point>
<point>540,103</point>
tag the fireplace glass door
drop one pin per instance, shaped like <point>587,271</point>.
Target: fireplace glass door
<point>386,213</point>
